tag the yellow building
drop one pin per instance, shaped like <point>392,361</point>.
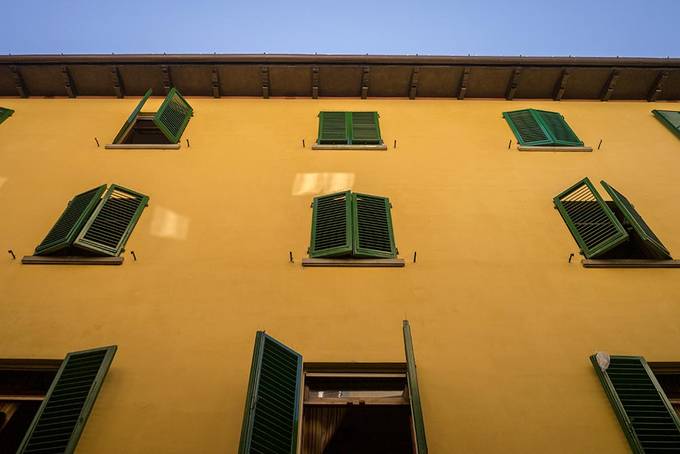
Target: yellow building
<point>504,307</point>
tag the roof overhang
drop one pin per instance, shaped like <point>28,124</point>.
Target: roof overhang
<point>401,76</point>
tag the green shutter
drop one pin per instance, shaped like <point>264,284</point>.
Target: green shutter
<point>132,118</point>
<point>112,222</point>
<point>333,128</point>
<point>414,393</point>
<point>539,127</point>
<point>71,221</point>
<point>270,419</point>
<point>365,128</point>
<point>643,410</point>
<point>173,116</point>
<point>652,243</point>
<point>63,413</point>
<point>372,219</point>
<point>591,222</point>
<point>5,113</point>
<point>331,225</point>
<point>670,118</point>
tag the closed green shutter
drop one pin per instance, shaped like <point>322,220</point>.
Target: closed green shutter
<point>643,410</point>
<point>112,221</point>
<point>539,127</point>
<point>71,221</point>
<point>414,393</point>
<point>365,128</point>
<point>63,413</point>
<point>270,420</point>
<point>331,225</point>
<point>591,222</point>
<point>173,116</point>
<point>5,113</point>
<point>652,243</point>
<point>132,118</point>
<point>373,234</point>
<point>333,128</point>
<point>670,118</point>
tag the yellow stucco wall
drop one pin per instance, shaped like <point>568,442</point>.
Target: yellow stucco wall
<point>502,324</point>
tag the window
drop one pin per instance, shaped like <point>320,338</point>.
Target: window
<point>540,130</point>
<point>161,129</point>
<point>669,118</point>
<point>613,232</point>
<point>93,228</point>
<point>642,407</point>
<point>349,130</point>
<point>346,407</point>
<point>5,114</point>
<point>348,225</point>
<point>44,404</point>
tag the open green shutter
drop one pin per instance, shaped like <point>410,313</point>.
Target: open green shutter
<point>365,128</point>
<point>132,118</point>
<point>527,127</point>
<point>558,129</point>
<point>331,225</point>
<point>71,221</point>
<point>173,116</point>
<point>5,113</point>
<point>653,244</point>
<point>373,233</point>
<point>591,222</point>
<point>670,118</point>
<point>112,222</point>
<point>414,393</point>
<point>270,419</point>
<point>63,413</point>
<point>642,408</point>
<point>333,128</point>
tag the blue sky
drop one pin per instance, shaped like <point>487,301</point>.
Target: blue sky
<point>491,27</point>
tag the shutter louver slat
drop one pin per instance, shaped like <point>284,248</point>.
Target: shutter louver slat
<point>59,422</point>
<point>112,221</point>
<point>331,225</point>
<point>71,221</point>
<point>670,118</point>
<point>365,128</point>
<point>645,414</point>
<point>271,415</point>
<point>333,128</point>
<point>653,245</point>
<point>591,222</point>
<point>173,116</point>
<point>373,233</point>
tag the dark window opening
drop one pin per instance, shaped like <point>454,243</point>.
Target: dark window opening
<point>635,247</point>
<point>23,386</point>
<point>145,131</point>
<point>668,376</point>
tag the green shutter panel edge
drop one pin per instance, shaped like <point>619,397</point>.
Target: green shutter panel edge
<point>558,128</point>
<point>670,119</point>
<point>331,225</point>
<point>591,222</point>
<point>333,128</point>
<point>132,118</point>
<point>5,113</point>
<point>271,415</point>
<point>173,116</point>
<point>365,128</point>
<point>112,222</point>
<point>372,224</point>
<point>646,416</point>
<point>414,392</point>
<point>71,221</point>
<point>527,127</point>
<point>653,244</point>
<point>74,388</point>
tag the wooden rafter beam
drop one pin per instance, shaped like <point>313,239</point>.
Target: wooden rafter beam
<point>315,82</point>
<point>117,82</point>
<point>513,83</point>
<point>464,80</point>
<point>215,81</point>
<point>68,82</point>
<point>413,88</point>
<point>364,81</point>
<point>608,88</point>
<point>167,79</point>
<point>264,79</point>
<point>657,88</point>
<point>19,81</point>
<point>562,84</point>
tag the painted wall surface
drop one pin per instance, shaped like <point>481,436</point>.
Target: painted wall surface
<point>503,325</point>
